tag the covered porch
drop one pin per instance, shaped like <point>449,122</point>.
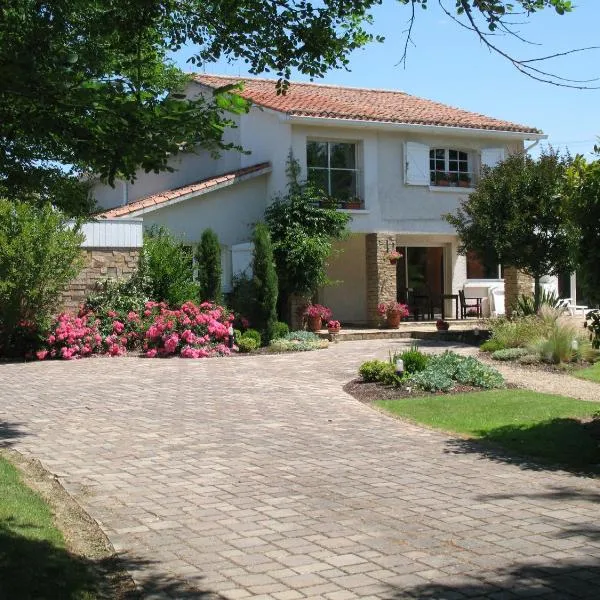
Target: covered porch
<point>427,277</point>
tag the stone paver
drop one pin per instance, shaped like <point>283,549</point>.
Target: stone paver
<point>258,477</point>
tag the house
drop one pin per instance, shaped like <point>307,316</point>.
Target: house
<point>395,162</point>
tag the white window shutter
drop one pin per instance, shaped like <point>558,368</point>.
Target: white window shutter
<point>490,157</point>
<point>226,269</point>
<point>241,259</point>
<point>417,164</point>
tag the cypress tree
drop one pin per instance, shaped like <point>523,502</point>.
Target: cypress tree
<point>208,258</point>
<point>264,283</point>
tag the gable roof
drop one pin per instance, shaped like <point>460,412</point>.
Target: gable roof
<point>192,190</point>
<point>358,104</point>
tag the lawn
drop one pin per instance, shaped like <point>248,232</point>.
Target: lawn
<point>591,373</point>
<point>34,562</point>
<point>546,427</point>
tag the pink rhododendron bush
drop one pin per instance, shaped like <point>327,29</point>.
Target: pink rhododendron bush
<point>190,332</point>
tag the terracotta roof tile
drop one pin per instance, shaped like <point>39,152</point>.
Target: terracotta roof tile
<point>168,195</point>
<point>327,101</point>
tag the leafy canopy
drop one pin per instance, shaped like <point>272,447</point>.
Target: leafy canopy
<point>518,216</point>
<point>87,87</point>
<point>302,230</point>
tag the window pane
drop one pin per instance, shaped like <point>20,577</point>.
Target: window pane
<point>343,185</point>
<point>453,165</point>
<point>343,156</point>
<point>440,165</point>
<point>316,154</point>
<point>463,166</point>
<point>463,156</point>
<point>452,154</point>
<point>319,179</point>
<point>440,153</point>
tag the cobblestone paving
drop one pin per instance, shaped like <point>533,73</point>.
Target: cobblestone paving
<point>258,477</point>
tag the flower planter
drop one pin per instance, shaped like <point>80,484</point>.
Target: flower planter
<point>393,261</point>
<point>393,319</point>
<point>315,323</point>
<point>443,327</point>
<point>443,182</point>
<point>334,330</point>
<point>464,184</point>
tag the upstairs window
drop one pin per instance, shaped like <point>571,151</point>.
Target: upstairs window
<point>332,168</point>
<point>449,167</point>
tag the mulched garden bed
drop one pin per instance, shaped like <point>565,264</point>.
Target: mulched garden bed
<point>371,392</point>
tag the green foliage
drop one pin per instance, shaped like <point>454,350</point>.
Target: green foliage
<point>414,360</point>
<point>444,369</point>
<point>166,264</point>
<point>208,258</point>
<point>510,353</point>
<point>296,341</point>
<point>584,180</point>
<point>518,216</point>
<point>247,344</point>
<point>241,297</point>
<point>302,231</point>
<point>526,303</point>
<point>122,295</point>
<point>280,330</point>
<point>557,346</point>
<point>253,334</point>
<point>371,370</point>
<point>516,333</point>
<point>264,283</point>
<point>491,345</point>
<point>592,324</point>
<point>39,255</point>
<point>302,336</point>
<point>108,101</point>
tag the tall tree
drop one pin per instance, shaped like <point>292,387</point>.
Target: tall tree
<point>584,179</point>
<point>87,87</point>
<point>264,283</point>
<point>518,216</point>
<point>208,259</point>
<point>303,230</point>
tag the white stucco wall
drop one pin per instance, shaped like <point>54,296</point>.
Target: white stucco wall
<point>230,212</point>
<point>348,297</point>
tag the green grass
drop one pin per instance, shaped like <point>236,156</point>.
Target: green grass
<point>34,562</point>
<point>591,373</point>
<point>539,425</point>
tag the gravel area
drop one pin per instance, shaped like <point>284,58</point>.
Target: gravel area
<point>544,381</point>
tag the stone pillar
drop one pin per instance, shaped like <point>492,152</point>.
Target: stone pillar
<point>381,274</point>
<point>295,306</point>
<point>516,283</point>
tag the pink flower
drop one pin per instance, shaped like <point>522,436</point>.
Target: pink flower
<point>132,316</point>
<point>151,353</point>
<point>41,354</point>
<point>112,314</point>
<point>118,326</point>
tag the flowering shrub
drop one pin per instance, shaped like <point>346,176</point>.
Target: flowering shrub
<point>386,308</point>
<point>191,331</point>
<point>317,310</point>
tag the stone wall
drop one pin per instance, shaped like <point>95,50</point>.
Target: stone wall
<point>101,263</point>
<point>516,283</point>
<point>381,274</point>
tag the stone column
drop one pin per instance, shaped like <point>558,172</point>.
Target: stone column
<point>516,283</point>
<point>381,274</point>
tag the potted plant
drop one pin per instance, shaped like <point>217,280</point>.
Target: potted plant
<point>352,204</point>
<point>394,256</point>
<point>464,180</point>
<point>442,325</point>
<point>442,178</point>
<point>333,326</point>
<point>394,312</point>
<point>315,315</point>
<point>452,179</point>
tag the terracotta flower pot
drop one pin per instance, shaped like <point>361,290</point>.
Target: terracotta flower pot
<point>333,329</point>
<point>393,318</point>
<point>443,327</point>
<point>315,323</point>
<point>393,261</point>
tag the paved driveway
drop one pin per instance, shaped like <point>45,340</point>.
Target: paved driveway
<point>258,477</point>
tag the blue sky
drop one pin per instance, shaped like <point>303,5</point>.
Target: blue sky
<point>450,65</point>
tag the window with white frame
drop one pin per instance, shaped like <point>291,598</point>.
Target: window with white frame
<point>448,166</point>
<point>332,167</point>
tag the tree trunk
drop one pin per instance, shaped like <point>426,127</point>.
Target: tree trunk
<point>536,292</point>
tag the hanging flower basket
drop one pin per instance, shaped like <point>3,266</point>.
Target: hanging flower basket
<point>394,256</point>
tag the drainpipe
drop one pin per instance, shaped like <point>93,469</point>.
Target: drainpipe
<point>125,197</point>
<point>532,146</point>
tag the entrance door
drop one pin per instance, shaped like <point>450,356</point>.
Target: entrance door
<point>421,269</point>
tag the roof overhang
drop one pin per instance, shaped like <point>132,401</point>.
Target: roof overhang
<point>413,128</point>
